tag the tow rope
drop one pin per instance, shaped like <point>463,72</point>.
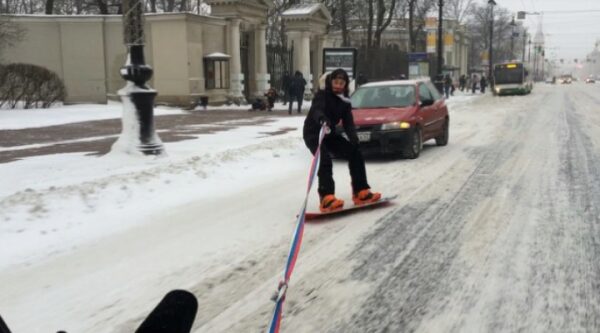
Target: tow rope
<point>279,297</point>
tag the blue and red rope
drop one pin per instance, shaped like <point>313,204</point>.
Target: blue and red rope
<point>296,240</point>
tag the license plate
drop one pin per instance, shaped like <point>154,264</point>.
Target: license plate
<point>364,136</point>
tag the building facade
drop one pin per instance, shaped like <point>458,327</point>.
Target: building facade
<point>221,56</point>
<point>456,41</point>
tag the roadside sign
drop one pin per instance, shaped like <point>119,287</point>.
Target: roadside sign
<point>417,57</point>
<point>340,57</point>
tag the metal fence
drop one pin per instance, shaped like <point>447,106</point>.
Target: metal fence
<point>279,61</point>
<point>382,64</point>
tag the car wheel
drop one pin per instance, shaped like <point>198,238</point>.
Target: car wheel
<point>442,140</point>
<point>413,149</point>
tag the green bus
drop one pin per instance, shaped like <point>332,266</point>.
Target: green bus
<point>512,78</point>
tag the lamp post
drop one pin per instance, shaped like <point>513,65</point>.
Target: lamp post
<point>492,3</point>
<point>512,39</point>
<point>524,43</point>
<point>440,45</point>
<point>138,133</point>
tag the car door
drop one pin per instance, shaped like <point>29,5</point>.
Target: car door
<point>426,113</point>
<point>439,116</point>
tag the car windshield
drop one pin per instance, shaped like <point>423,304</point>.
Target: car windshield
<point>384,96</point>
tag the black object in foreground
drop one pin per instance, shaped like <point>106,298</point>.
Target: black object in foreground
<point>343,211</point>
<point>174,314</point>
<point>3,327</point>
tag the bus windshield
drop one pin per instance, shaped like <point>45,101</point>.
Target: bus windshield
<point>508,73</point>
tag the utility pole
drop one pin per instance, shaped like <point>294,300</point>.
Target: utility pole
<point>524,44</point>
<point>411,33</point>
<point>440,39</point>
<point>492,3</point>
<point>512,39</point>
<point>138,133</point>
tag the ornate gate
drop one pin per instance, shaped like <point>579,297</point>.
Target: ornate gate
<point>279,61</point>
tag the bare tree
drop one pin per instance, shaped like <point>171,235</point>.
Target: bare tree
<point>417,14</point>
<point>10,34</point>
<point>49,7</point>
<point>458,9</point>
<point>478,26</point>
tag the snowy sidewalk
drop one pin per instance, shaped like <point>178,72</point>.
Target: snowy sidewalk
<point>26,133</point>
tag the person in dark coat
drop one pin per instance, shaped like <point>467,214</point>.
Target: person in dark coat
<point>330,106</point>
<point>462,82</point>
<point>483,84</point>
<point>361,79</point>
<point>286,80</point>
<point>296,91</point>
<point>474,83</point>
<point>447,85</point>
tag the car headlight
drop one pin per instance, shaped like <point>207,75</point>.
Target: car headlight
<point>497,90</point>
<point>395,125</point>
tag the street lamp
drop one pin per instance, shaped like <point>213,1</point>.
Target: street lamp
<point>524,44</point>
<point>440,45</point>
<point>492,3</point>
<point>138,133</point>
<point>512,38</point>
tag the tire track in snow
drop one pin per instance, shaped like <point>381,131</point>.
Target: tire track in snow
<point>414,258</point>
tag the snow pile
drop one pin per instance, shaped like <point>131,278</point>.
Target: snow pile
<point>52,203</point>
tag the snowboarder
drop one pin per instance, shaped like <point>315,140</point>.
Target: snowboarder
<point>330,105</point>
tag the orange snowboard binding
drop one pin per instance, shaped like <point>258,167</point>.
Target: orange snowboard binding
<point>365,196</point>
<point>330,203</point>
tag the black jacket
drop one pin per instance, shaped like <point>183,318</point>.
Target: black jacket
<point>297,85</point>
<point>327,106</point>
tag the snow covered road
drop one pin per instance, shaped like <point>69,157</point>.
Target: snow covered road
<point>497,232</point>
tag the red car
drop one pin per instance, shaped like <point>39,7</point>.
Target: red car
<point>398,116</point>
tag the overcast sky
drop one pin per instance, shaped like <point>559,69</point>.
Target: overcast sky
<point>571,27</point>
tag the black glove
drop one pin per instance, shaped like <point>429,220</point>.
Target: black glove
<point>324,121</point>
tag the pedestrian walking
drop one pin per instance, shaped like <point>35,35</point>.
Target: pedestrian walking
<point>447,85</point>
<point>296,91</point>
<point>462,81</point>
<point>474,83</point>
<point>483,84</point>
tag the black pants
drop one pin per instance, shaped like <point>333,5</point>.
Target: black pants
<point>342,148</point>
<point>299,100</point>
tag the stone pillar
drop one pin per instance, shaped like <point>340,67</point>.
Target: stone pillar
<point>304,63</point>
<point>320,43</point>
<point>235,63</point>
<point>262,75</point>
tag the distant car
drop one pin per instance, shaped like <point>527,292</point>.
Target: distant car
<point>549,80</point>
<point>590,80</point>
<point>566,80</point>
<point>398,116</point>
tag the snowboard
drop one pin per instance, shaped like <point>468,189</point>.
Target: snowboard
<point>344,211</point>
